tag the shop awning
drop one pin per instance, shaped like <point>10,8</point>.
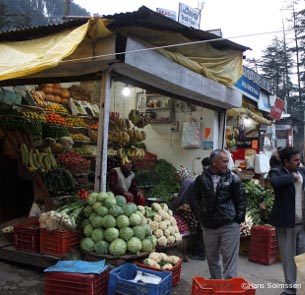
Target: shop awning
<point>87,48</point>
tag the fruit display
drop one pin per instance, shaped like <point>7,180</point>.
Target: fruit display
<point>80,137</point>
<point>34,116</point>
<point>56,119</point>
<point>54,93</point>
<point>54,131</point>
<point>83,151</point>
<point>56,108</point>
<point>74,162</point>
<point>33,159</point>
<point>188,216</point>
<point>138,119</point>
<point>39,97</point>
<point>75,122</point>
<point>7,110</point>
<point>94,126</point>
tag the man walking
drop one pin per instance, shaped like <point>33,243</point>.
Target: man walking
<point>288,214</point>
<point>221,197</point>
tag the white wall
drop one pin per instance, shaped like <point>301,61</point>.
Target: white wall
<point>161,140</point>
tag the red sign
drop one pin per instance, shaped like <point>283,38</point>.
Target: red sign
<point>277,109</point>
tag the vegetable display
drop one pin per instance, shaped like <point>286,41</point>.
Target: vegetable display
<point>113,226</point>
<point>161,261</point>
<point>74,162</point>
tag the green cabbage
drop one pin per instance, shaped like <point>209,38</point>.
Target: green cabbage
<point>91,199</point>
<point>92,216</point>
<point>147,229</point>
<point>122,221</point>
<point>126,233</point>
<point>97,221</point>
<point>88,210</point>
<point>87,244</point>
<point>84,223</point>
<point>111,234</point>
<point>134,245</point>
<point>121,201</point>
<point>102,211</point>
<point>116,210</point>
<point>88,229</point>
<point>110,194</point>
<point>109,202</point>
<point>101,247</point>
<point>97,235</point>
<point>96,205</point>
<point>139,232</point>
<point>108,221</point>
<point>129,208</point>
<point>102,196</point>
<point>135,219</point>
<point>118,247</point>
<point>147,245</point>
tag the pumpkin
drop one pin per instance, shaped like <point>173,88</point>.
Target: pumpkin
<point>49,97</point>
<point>65,93</point>
<point>57,85</point>
<point>57,99</point>
<point>47,89</point>
<point>57,91</point>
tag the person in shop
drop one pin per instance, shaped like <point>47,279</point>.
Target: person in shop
<point>221,198</point>
<point>288,212</point>
<point>121,181</point>
<point>184,177</point>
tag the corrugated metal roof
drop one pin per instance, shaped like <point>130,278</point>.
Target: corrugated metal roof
<point>143,17</point>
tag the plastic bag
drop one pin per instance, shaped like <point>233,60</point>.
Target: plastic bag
<point>300,263</point>
<point>35,210</point>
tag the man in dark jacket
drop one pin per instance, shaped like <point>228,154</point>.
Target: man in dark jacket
<point>288,214</point>
<point>221,198</point>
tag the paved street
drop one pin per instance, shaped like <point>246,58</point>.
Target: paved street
<point>17,279</point>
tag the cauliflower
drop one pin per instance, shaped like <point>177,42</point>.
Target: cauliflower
<point>144,220</point>
<point>172,230</point>
<point>156,207</point>
<point>158,233</point>
<point>173,220</point>
<point>171,240</point>
<point>173,260</point>
<point>163,225</point>
<point>178,237</point>
<point>142,209</point>
<point>151,262</point>
<point>167,216</point>
<point>176,228</point>
<point>157,218</point>
<point>167,266</point>
<point>162,213</point>
<point>155,256</point>
<point>167,232</point>
<point>170,213</point>
<point>162,241</point>
<point>164,207</point>
<point>164,257</point>
<point>154,225</point>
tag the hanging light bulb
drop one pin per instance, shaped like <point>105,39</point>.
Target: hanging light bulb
<point>126,91</point>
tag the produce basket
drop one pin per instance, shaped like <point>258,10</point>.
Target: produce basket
<point>76,283</point>
<point>120,281</point>
<point>176,271</point>
<point>245,175</point>
<point>212,287</point>
<point>26,236</point>
<point>58,243</point>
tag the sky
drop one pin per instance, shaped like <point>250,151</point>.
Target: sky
<point>237,19</point>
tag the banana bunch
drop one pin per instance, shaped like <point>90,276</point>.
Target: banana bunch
<point>144,120</point>
<point>136,135</point>
<point>33,159</point>
<point>134,116</point>
<point>120,137</point>
<point>122,155</point>
<point>135,152</point>
<point>123,124</point>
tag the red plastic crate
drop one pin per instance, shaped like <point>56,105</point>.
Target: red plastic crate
<point>27,238</point>
<point>262,230</point>
<point>58,243</point>
<point>263,251</point>
<point>176,271</point>
<point>263,259</point>
<point>232,286</point>
<point>64,283</point>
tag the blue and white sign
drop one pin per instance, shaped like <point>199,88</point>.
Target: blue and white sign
<point>249,87</point>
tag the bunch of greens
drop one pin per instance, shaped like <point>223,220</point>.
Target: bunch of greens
<point>256,194</point>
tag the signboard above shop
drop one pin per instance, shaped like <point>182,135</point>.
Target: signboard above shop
<point>188,16</point>
<point>168,13</point>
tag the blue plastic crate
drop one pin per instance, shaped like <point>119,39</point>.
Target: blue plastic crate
<point>119,281</point>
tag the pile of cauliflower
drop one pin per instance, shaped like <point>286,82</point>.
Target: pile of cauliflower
<point>162,223</point>
<point>161,261</point>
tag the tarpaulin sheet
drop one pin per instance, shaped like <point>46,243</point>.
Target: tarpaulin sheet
<point>78,266</point>
<point>23,58</point>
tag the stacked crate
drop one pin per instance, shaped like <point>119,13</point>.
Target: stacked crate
<point>263,245</point>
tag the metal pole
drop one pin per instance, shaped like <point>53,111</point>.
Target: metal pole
<point>102,142</point>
